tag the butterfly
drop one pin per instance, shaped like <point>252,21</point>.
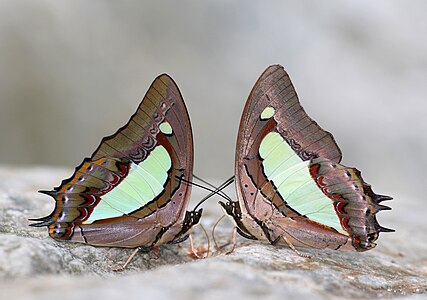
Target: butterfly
<point>133,191</point>
<point>291,188</point>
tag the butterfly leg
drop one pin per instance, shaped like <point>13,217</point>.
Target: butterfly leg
<point>233,237</point>
<point>122,268</point>
<point>233,241</point>
<point>283,237</point>
<point>217,247</point>
<point>193,252</point>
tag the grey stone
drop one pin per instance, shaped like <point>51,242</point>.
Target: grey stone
<point>34,266</point>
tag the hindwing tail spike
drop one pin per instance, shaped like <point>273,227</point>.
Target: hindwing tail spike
<point>385,229</point>
<point>381,198</point>
<point>380,207</point>
<point>49,193</point>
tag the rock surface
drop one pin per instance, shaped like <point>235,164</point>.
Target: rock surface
<point>34,266</point>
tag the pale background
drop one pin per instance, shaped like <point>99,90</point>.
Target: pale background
<point>72,72</point>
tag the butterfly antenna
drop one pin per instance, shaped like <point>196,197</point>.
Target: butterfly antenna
<point>217,192</point>
<point>205,188</point>
<point>214,191</point>
<point>209,184</point>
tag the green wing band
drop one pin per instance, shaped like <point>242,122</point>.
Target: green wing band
<point>293,181</point>
<point>141,186</point>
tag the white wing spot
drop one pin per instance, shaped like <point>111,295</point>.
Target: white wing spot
<point>166,128</point>
<point>267,113</point>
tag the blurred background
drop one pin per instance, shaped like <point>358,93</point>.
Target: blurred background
<point>72,72</point>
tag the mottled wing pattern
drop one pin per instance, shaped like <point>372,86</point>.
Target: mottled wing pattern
<point>131,191</point>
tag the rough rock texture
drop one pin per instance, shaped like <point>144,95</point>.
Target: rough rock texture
<point>34,266</point>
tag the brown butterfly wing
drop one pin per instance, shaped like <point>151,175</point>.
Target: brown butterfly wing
<point>159,221</point>
<point>260,201</point>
